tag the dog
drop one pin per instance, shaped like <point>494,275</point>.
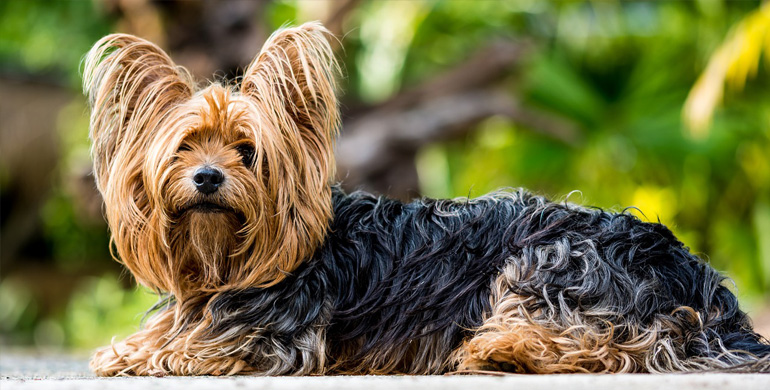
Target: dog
<point>222,200</point>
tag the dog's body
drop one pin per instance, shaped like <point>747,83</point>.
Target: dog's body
<point>532,286</point>
<point>222,199</point>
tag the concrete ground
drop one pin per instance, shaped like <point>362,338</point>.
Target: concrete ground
<point>24,371</point>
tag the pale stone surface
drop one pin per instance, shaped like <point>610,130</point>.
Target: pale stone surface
<point>36,365</point>
<point>25,371</point>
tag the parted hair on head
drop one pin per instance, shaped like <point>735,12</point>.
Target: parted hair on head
<point>221,187</point>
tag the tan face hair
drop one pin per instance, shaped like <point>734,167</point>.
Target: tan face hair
<point>219,188</point>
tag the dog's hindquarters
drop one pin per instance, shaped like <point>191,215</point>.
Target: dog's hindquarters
<point>590,291</point>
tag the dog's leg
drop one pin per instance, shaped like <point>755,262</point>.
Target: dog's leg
<point>136,356</point>
<point>516,339</point>
<point>159,350</point>
<point>171,346</point>
<point>524,346</point>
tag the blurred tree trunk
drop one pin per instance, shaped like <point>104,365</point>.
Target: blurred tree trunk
<point>29,153</point>
<point>379,143</point>
<point>209,37</point>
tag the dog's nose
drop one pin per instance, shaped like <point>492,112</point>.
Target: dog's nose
<point>207,180</point>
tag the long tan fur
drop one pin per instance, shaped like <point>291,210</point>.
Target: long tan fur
<point>150,128</point>
<point>144,108</point>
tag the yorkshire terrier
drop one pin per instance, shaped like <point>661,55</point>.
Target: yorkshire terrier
<point>221,200</point>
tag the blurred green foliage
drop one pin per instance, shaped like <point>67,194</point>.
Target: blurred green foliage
<point>619,70</point>
<point>101,309</point>
<point>622,71</point>
<point>48,38</point>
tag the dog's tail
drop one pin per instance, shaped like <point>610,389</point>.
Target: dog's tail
<point>725,340</point>
<point>756,354</point>
<point>737,352</point>
<point>745,351</point>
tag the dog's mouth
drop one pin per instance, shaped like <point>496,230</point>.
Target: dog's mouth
<point>206,207</point>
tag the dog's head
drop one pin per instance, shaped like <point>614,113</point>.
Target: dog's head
<point>218,188</point>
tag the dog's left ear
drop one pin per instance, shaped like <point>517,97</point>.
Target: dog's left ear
<point>292,82</point>
<point>294,79</point>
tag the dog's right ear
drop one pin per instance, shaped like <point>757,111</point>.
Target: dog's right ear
<point>132,86</point>
<point>130,83</point>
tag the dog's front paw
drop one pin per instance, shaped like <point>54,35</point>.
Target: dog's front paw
<point>109,361</point>
<point>121,359</point>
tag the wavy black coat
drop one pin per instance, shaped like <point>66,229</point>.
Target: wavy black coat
<point>394,279</point>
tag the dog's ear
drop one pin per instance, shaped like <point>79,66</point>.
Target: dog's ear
<point>129,83</point>
<point>292,82</point>
<point>294,79</point>
<point>131,86</point>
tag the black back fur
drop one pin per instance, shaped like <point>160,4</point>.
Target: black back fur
<point>394,279</point>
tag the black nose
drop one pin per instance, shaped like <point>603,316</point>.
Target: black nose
<point>207,180</point>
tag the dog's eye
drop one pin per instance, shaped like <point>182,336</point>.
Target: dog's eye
<point>183,148</point>
<point>247,154</point>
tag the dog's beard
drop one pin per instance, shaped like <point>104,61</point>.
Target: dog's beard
<point>203,242</point>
